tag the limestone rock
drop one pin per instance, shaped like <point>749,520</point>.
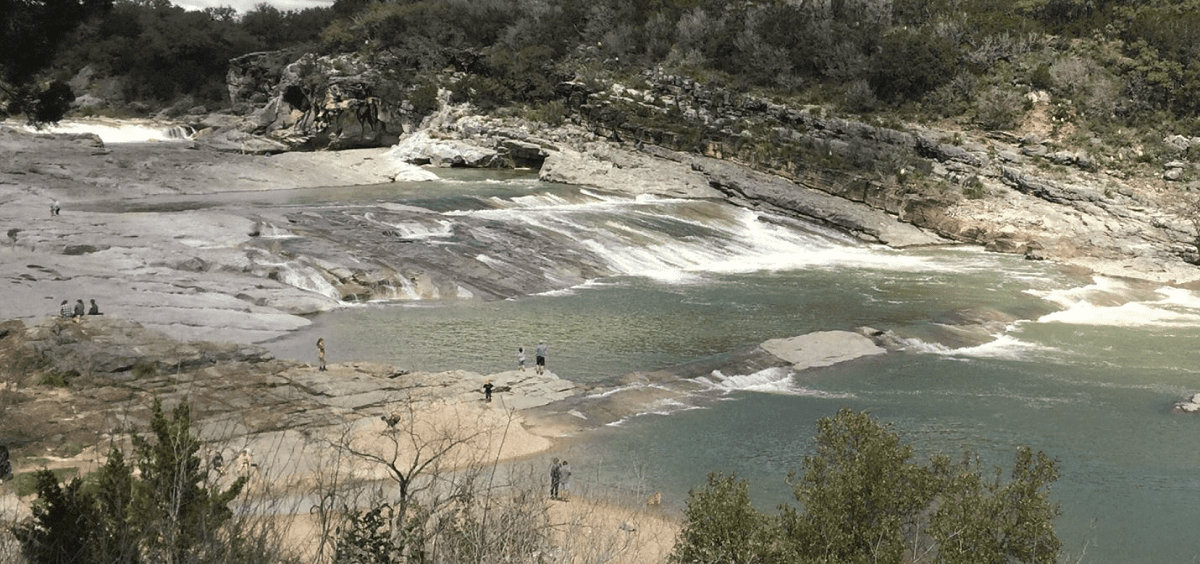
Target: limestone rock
<point>823,348</point>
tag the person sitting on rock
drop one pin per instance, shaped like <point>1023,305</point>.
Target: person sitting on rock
<point>95,309</point>
<point>79,310</point>
<point>65,310</point>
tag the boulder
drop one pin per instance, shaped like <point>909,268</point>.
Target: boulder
<point>823,348</point>
<point>1189,405</point>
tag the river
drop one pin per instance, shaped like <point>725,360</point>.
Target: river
<point>1000,352</point>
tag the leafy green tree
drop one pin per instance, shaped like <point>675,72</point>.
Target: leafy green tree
<point>911,62</point>
<point>170,513</point>
<point>30,33</point>
<point>114,532</point>
<point>860,493</point>
<point>987,521</point>
<point>721,525</point>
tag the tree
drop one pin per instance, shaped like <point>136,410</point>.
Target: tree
<point>168,514</point>
<point>860,492</point>
<point>721,525</point>
<point>176,511</point>
<point>910,63</point>
<point>60,529</point>
<point>864,500</point>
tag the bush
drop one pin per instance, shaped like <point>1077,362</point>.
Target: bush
<point>910,63</point>
<point>999,108</point>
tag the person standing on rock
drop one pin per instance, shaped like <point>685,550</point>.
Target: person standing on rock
<point>521,358</point>
<point>487,391</point>
<point>564,481</point>
<point>539,354</point>
<point>321,353</point>
<point>555,476</point>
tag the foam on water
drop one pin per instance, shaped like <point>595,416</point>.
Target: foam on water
<point>1004,346</point>
<point>773,380</point>
<point>1111,303</point>
<point>120,132</point>
<point>660,407</point>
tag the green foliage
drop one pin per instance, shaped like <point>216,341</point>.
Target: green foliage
<point>366,537</point>
<point>981,520</point>
<point>973,188</point>
<point>26,482</point>
<point>999,108</point>
<point>860,493</point>
<point>721,525</point>
<point>864,500</point>
<point>424,99</point>
<point>910,63</point>
<point>31,32</point>
<point>179,513</point>
<point>169,513</point>
<point>57,379</point>
<point>60,530</point>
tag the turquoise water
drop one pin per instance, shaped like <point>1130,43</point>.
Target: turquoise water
<point>1085,369</point>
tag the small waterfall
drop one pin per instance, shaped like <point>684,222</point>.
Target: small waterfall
<point>305,278</point>
<point>179,132</point>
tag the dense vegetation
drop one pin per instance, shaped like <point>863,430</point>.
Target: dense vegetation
<point>1108,63</point>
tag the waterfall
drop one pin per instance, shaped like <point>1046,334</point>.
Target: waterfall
<point>119,131</point>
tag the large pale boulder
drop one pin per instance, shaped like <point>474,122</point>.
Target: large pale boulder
<point>823,348</point>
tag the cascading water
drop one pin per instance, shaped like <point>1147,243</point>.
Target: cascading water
<point>120,131</point>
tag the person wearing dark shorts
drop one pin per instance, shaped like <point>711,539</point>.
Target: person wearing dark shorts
<point>539,354</point>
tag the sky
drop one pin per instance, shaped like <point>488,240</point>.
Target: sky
<point>243,6</point>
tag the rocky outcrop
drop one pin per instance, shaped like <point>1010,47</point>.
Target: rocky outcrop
<point>306,101</point>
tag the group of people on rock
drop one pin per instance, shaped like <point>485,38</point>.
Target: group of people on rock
<point>539,356</point>
<point>78,310</point>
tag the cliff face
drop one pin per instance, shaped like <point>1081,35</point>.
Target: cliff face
<point>306,102</point>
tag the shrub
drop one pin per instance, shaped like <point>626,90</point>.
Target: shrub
<point>999,108</point>
<point>910,63</point>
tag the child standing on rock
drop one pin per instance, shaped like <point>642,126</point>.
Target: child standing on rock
<point>321,353</point>
<point>521,358</point>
